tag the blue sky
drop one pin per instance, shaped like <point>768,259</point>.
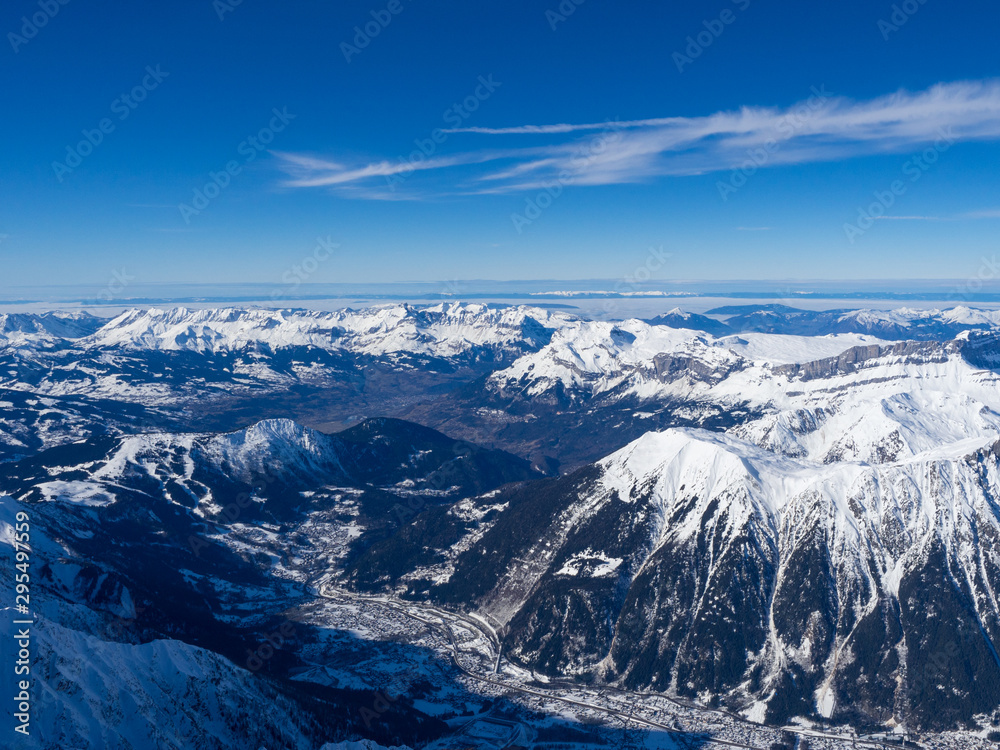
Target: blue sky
<point>410,150</point>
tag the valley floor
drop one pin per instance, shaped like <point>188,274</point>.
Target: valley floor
<point>551,712</point>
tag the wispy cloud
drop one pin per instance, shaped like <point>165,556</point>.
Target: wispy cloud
<point>984,214</point>
<point>567,128</point>
<point>989,213</point>
<point>822,127</point>
<point>913,218</point>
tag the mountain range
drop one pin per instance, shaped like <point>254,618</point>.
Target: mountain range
<point>786,515</point>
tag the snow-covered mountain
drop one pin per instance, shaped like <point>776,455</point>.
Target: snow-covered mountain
<point>63,325</point>
<point>707,567</point>
<point>158,558</point>
<point>220,369</point>
<point>787,513</point>
<point>845,395</point>
<point>897,324</point>
<point>445,330</point>
<point>143,695</point>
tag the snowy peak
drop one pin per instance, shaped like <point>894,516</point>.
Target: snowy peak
<point>210,330</point>
<point>687,542</point>
<point>61,324</point>
<point>450,329</point>
<point>444,330</point>
<point>595,356</point>
<point>272,458</point>
<point>682,464</point>
<point>50,330</point>
<point>271,438</point>
<point>275,447</point>
<point>827,398</point>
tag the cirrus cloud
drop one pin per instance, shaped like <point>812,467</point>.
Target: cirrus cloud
<point>822,127</point>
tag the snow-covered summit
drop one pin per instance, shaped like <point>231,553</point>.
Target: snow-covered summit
<point>442,330</point>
